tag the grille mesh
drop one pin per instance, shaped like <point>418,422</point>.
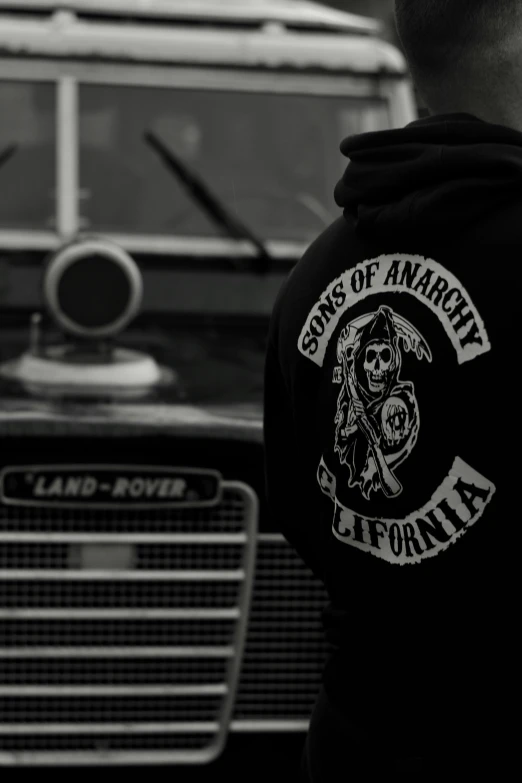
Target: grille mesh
<point>102,743</point>
<point>148,557</point>
<point>285,651</point>
<point>132,633</point>
<point>228,517</point>
<point>109,710</point>
<point>111,641</point>
<point>110,671</point>
<point>106,594</point>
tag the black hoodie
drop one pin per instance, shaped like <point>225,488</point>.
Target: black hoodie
<point>392,414</point>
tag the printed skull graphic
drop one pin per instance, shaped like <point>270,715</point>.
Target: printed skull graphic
<point>378,363</point>
<point>377,421</point>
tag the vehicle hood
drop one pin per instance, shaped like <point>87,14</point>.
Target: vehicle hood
<point>218,383</point>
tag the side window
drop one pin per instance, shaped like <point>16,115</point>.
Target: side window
<point>28,178</point>
<point>362,117</point>
<point>368,117</point>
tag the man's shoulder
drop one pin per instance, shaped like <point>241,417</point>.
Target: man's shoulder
<point>330,245</point>
<point>320,264</point>
<point>327,253</point>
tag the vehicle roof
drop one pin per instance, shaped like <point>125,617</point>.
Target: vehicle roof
<point>298,13</point>
<point>198,33</point>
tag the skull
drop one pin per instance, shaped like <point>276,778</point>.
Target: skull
<point>377,364</point>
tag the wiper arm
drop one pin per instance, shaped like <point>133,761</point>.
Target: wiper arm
<point>7,153</point>
<point>211,203</point>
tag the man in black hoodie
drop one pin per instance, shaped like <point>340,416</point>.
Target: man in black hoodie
<point>392,421</point>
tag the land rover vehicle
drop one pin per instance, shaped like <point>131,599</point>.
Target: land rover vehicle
<point>162,167</point>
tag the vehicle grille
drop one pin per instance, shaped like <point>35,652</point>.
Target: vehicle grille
<point>285,651</point>
<point>137,662</point>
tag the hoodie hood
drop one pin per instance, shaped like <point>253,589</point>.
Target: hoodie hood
<point>444,171</point>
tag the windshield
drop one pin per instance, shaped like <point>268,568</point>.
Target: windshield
<point>273,160</point>
<point>27,180</point>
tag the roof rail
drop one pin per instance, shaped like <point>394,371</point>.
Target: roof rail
<point>297,14</point>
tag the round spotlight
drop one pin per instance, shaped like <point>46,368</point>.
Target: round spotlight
<point>93,288</point>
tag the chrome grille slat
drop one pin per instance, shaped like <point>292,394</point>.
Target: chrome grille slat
<point>177,614</point>
<point>136,538</point>
<point>181,727</point>
<point>120,614</point>
<point>113,690</point>
<point>131,576</point>
<point>108,757</point>
<point>123,652</point>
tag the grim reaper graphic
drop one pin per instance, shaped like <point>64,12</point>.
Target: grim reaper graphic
<point>377,421</point>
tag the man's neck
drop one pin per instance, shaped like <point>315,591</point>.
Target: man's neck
<point>488,111</point>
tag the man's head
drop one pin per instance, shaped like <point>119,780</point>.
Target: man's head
<point>463,54</point>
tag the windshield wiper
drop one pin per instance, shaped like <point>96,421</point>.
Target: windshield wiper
<point>211,203</point>
<point>7,153</point>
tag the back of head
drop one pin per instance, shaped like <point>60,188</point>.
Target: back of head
<point>454,46</point>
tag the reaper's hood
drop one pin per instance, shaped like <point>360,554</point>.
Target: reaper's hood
<point>437,174</point>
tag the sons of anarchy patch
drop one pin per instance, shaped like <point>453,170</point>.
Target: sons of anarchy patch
<point>378,417</point>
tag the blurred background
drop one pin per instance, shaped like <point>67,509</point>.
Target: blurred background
<point>272,158</point>
<point>384,11</point>
<point>379,9</point>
